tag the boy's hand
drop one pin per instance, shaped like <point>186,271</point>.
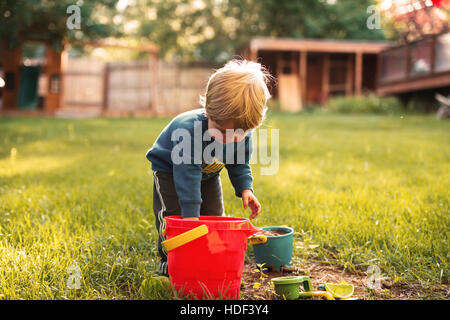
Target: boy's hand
<point>191,218</point>
<point>249,199</point>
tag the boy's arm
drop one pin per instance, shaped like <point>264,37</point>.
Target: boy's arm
<point>187,179</point>
<point>187,174</point>
<point>241,177</point>
<point>240,174</point>
<point>242,180</point>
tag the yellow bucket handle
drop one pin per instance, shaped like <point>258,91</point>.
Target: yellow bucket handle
<point>257,239</point>
<point>185,237</point>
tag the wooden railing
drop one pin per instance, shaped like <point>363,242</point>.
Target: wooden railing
<point>420,59</point>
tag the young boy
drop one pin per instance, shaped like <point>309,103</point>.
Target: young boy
<point>195,146</point>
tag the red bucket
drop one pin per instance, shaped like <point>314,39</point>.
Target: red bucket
<point>209,267</point>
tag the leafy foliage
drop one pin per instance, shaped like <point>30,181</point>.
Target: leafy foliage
<point>46,20</point>
<point>365,104</point>
<point>213,30</point>
<point>188,30</point>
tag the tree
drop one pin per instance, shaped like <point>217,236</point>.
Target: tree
<point>410,20</point>
<point>212,30</point>
<point>190,30</point>
<point>47,21</point>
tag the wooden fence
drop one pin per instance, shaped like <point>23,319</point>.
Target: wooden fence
<point>83,84</point>
<point>132,87</point>
<point>128,86</point>
<point>179,87</point>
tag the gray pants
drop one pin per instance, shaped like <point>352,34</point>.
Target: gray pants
<point>165,203</point>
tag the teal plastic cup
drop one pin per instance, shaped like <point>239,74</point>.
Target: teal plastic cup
<point>276,252</point>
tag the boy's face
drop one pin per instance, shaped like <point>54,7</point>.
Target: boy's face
<point>225,131</point>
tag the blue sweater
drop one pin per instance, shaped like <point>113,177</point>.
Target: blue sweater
<point>196,164</point>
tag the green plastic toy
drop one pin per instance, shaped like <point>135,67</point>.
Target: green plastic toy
<point>289,288</point>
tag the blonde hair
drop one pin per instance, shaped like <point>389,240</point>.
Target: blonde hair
<point>238,91</point>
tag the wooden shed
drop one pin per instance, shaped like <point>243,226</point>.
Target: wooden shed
<point>309,71</point>
<point>57,85</point>
<point>21,80</point>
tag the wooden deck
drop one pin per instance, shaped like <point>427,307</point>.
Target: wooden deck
<point>420,65</point>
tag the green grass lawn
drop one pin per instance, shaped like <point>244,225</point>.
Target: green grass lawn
<point>369,190</point>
